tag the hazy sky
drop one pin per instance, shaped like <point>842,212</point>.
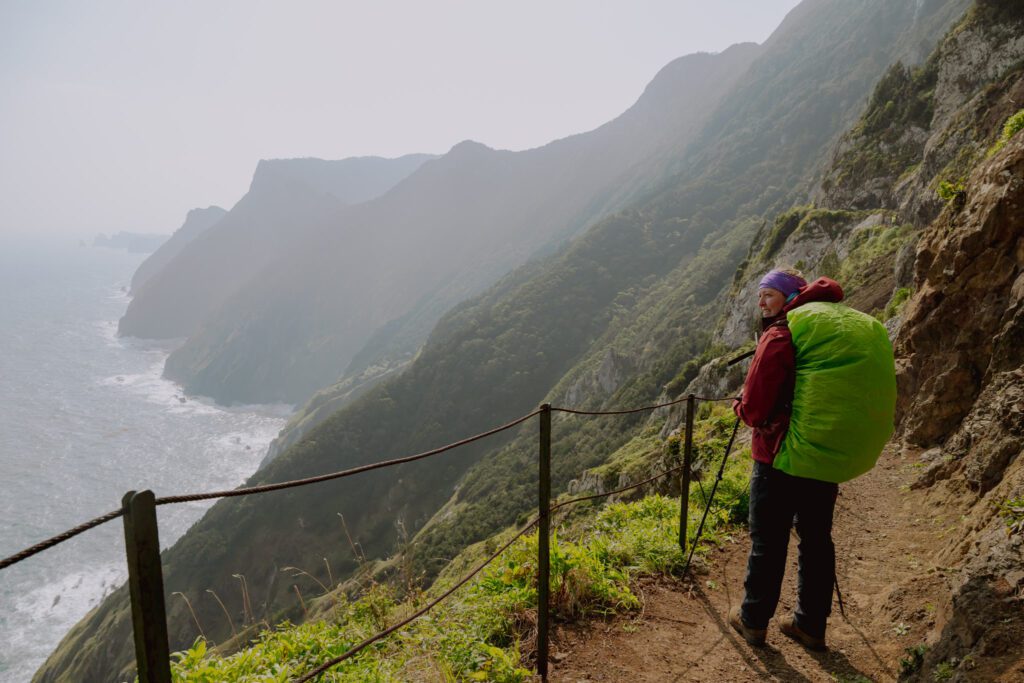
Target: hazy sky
<point>124,115</point>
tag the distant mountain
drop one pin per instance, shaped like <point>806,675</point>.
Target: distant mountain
<point>287,201</point>
<point>385,270</point>
<point>196,222</point>
<point>134,242</point>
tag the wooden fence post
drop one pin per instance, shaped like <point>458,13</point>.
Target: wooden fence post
<point>684,486</point>
<point>146,586</point>
<point>543,541</point>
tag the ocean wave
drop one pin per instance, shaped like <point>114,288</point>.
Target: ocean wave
<point>35,614</point>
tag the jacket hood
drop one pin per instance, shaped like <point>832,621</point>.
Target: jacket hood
<point>822,289</point>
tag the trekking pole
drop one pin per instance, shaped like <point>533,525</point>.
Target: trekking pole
<point>744,356</point>
<point>714,488</point>
<point>842,608</point>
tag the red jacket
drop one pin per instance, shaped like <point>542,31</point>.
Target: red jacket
<point>768,391</point>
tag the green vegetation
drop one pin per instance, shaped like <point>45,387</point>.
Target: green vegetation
<point>667,327</point>
<point>995,14</point>
<point>785,225</point>
<point>477,633</point>
<point>896,303</point>
<point>902,98</point>
<point>913,661</point>
<point>878,146</point>
<point>944,671</point>
<point>692,367</point>
<point>951,191</point>
<point>632,461</point>
<point>1012,512</point>
<point>869,245</point>
<point>1013,125</point>
<point>800,222</point>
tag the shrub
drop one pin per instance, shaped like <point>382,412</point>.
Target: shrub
<point>896,303</point>
<point>1013,125</point>
<point>1012,512</point>
<point>914,660</point>
<point>950,191</point>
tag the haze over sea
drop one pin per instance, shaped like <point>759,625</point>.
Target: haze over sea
<point>85,417</point>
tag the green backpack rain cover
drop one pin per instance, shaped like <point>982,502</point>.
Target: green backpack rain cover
<point>844,399</point>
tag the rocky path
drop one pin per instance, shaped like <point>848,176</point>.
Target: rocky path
<point>885,535</point>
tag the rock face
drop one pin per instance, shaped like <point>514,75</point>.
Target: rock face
<point>961,373</point>
<point>966,322</point>
<point>931,123</point>
<point>289,202</point>
<point>196,223</point>
<point>812,240</point>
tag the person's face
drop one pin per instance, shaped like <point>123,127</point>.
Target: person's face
<point>770,301</point>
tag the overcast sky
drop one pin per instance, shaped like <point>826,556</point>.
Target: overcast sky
<point>124,115</point>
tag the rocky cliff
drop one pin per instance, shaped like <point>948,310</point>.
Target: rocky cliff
<point>961,362</point>
<point>196,223</point>
<point>288,203</point>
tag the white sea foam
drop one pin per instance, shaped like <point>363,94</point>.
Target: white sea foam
<point>86,415</point>
<point>152,386</point>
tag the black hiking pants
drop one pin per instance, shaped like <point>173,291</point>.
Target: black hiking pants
<point>777,500</point>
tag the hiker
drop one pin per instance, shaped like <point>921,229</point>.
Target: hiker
<point>777,498</point>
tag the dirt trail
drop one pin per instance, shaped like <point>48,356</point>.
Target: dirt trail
<point>885,535</point>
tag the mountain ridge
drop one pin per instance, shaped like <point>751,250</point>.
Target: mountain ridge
<point>446,231</point>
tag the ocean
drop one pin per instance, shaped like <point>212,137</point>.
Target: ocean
<point>84,417</point>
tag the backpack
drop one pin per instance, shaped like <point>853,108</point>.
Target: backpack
<point>844,399</point>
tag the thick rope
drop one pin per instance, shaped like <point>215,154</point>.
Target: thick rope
<point>372,639</point>
<point>621,490</point>
<point>59,538</point>
<point>629,411</point>
<point>71,533</point>
<point>343,473</point>
<point>265,488</point>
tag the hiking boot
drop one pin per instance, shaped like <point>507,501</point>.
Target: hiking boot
<point>789,628</point>
<point>754,636</point>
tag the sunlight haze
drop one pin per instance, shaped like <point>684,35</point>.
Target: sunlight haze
<point>121,116</point>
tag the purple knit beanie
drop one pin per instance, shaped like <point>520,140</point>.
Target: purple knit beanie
<point>788,284</point>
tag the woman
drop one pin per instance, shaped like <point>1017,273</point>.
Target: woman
<point>777,499</point>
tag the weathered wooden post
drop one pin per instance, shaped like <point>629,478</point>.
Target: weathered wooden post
<point>146,586</point>
<point>543,540</point>
<point>684,486</point>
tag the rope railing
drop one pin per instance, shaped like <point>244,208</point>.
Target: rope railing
<point>59,538</point>
<point>408,620</point>
<point>480,567</point>
<point>145,574</point>
<point>265,488</point>
<point>190,497</point>
<point>643,409</point>
<point>605,494</point>
<point>343,473</point>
